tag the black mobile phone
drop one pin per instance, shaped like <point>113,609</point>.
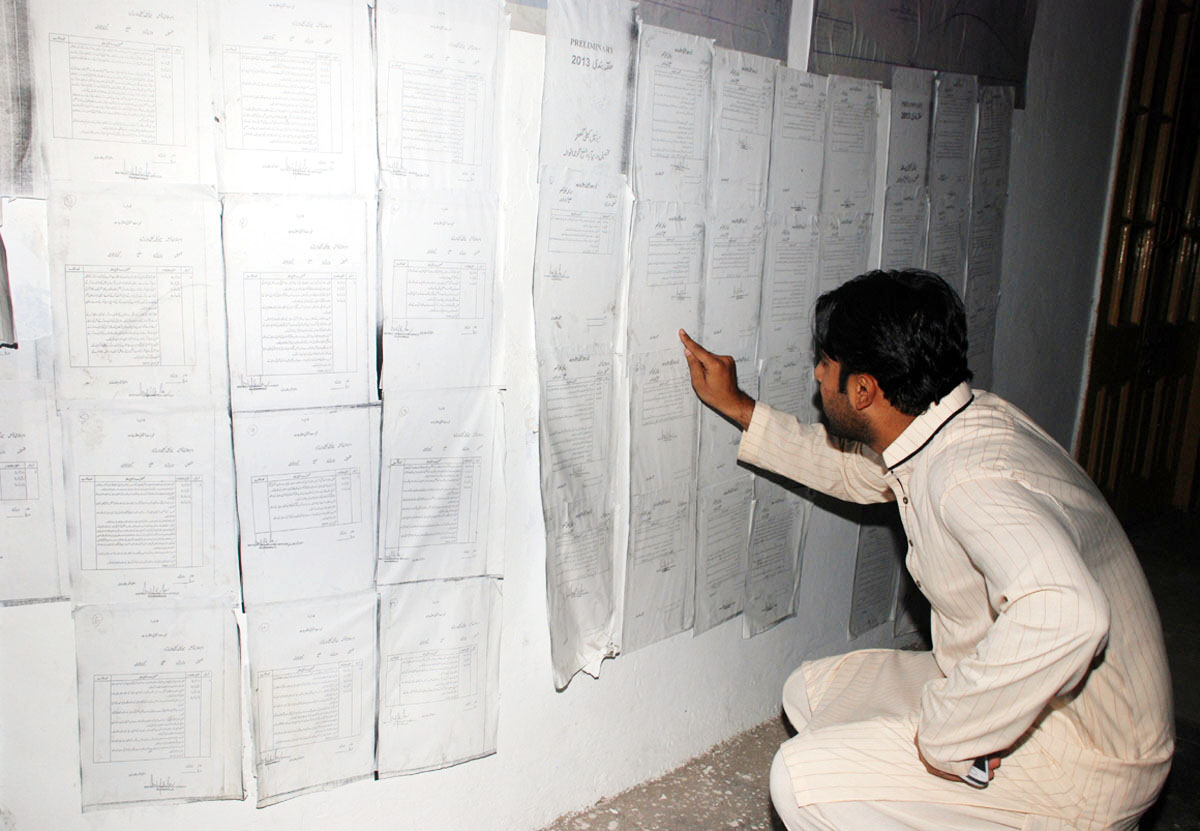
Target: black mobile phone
<point>977,776</point>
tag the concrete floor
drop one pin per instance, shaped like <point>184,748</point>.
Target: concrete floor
<point>726,788</point>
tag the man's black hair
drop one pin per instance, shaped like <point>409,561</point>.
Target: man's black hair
<point>906,328</point>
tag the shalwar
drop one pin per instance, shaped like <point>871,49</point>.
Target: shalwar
<point>1047,648</point>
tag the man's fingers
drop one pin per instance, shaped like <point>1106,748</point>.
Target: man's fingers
<point>691,346</point>
<point>694,367</point>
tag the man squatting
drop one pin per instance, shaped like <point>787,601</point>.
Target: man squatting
<point>1048,659</point>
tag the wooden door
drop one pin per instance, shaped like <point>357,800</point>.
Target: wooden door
<point>1140,432</point>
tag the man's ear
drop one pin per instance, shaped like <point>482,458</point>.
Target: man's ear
<point>863,390</point>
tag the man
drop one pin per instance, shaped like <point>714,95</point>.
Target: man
<point>1048,662</point>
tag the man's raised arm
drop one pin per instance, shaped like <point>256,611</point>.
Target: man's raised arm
<point>714,378</point>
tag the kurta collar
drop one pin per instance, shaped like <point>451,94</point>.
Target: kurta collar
<point>923,428</point>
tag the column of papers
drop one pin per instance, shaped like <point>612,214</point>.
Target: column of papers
<point>801,133</point>
<point>580,263</point>
<point>790,271</point>
<point>140,369</point>
<point>670,174</point>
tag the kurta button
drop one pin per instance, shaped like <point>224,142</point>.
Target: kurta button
<point>906,500</point>
<point>910,544</point>
<point>918,584</point>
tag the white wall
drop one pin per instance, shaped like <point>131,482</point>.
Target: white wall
<point>653,709</point>
<point>1059,182</point>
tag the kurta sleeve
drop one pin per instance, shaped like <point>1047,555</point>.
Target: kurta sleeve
<point>1051,620</point>
<point>805,453</point>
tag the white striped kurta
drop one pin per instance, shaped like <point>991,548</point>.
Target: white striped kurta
<point>1047,648</point>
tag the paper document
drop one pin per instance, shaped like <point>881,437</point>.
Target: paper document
<point>291,118</point>
<point>906,200</point>
<point>723,541</point>
<point>438,270</point>
<point>586,94</point>
<point>33,559</point>
<point>150,511</point>
<point>440,486</point>
<point>905,226</point>
<point>779,521</point>
<point>663,420</point>
<point>790,282</point>
<point>672,114</point>
<point>581,255</point>
<point>787,384</point>
<point>312,687</point>
<point>733,267</point>
<point>439,691</point>
<point>306,489</point>
<point>985,238</point>
<point>954,115</point>
<point>908,135</point>
<point>848,182</point>
<point>666,271</point>
<point>798,130</point>
<point>123,89</point>
<point>300,290</point>
<point>743,98</point>
<point>438,78</point>
<point>579,586</point>
<point>660,572</point>
<point>159,703</point>
<point>576,426</point>
<point>845,247</point>
<point>138,307</point>
<point>881,549</point>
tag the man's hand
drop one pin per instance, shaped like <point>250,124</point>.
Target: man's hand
<point>993,763</point>
<point>714,378</point>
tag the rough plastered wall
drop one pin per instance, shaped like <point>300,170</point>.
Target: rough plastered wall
<point>1058,205</point>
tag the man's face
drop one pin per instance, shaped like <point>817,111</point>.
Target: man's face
<point>841,419</point>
